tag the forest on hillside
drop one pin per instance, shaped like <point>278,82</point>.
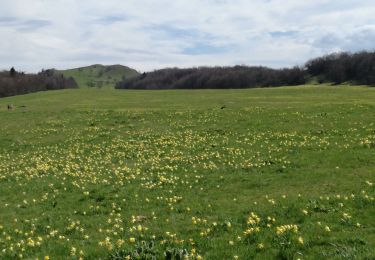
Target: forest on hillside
<point>17,83</point>
<point>337,68</point>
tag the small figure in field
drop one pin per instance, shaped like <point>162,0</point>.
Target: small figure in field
<point>10,106</point>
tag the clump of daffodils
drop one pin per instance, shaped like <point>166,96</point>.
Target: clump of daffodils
<point>285,228</point>
<point>251,231</point>
<point>253,219</point>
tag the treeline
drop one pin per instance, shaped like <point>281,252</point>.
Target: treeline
<point>358,68</point>
<point>217,77</point>
<point>17,83</point>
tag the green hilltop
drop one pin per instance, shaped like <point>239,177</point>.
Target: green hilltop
<point>99,75</point>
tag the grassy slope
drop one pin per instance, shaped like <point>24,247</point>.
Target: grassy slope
<point>108,75</point>
<point>172,156</point>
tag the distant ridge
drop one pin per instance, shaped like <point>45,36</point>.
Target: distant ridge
<point>98,75</point>
<point>336,68</point>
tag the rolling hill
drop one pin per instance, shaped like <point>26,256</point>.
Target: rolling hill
<point>99,75</point>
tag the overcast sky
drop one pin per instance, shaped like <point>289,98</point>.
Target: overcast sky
<point>151,34</point>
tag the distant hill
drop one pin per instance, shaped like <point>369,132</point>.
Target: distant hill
<point>100,75</point>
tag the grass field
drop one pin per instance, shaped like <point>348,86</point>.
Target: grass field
<point>278,173</point>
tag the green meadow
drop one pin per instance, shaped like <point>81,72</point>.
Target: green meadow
<point>268,173</point>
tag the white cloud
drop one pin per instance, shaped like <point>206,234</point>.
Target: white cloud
<point>153,34</point>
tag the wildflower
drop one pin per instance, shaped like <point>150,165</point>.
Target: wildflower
<point>120,242</point>
<point>139,228</point>
<point>253,219</point>
<point>300,240</point>
<point>282,229</point>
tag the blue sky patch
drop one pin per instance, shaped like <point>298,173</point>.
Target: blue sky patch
<point>280,34</point>
<point>205,49</point>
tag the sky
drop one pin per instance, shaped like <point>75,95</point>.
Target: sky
<point>150,34</point>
